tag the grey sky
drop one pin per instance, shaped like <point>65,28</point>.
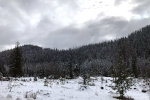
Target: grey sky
<point>65,24</point>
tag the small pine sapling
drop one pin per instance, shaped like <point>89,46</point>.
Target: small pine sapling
<point>46,82</point>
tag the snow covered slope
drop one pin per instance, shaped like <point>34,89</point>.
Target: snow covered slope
<point>27,89</point>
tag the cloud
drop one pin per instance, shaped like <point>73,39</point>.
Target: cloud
<point>23,20</point>
<point>69,23</point>
<point>118,2</point>
<point>92,32</point>
<point>143,7</point>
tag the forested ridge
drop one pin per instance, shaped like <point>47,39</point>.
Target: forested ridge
<point>95,59</point>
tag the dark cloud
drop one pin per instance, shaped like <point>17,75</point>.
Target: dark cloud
<point>143,7</point>
<point>92,32</point>
<point>42,22</point>
<point>17,15</point>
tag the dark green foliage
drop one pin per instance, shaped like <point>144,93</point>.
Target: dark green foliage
<point>2,69</point>
<point>134,67</point>
<point>76,71</point>
<point>16,62</point>
<point>121,73</point>
<point>70,70</point>
<point>86,78</point>
<point>134,62</point>
<point>1,76</point>
<point>122,80</point>
<point>35,78</point>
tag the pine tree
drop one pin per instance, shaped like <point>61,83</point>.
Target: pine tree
<point>134,67</point>
<point>76,71</point>
<point>122,82</point>
<point>70,70</point>
<point>2,69</point>
<point>16,62</point>
<point>133,53</point>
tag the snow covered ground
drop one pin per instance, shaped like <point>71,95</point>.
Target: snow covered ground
<point>68,90</point>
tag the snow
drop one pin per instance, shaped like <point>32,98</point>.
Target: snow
<point>66,90</point>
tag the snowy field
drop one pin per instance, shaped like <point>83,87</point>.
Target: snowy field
<point>28,89</point>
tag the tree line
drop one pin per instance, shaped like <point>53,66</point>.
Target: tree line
<point>94,59</point>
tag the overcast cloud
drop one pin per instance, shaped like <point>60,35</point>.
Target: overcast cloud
<point>65,24</point>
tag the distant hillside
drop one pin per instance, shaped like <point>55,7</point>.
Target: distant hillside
<point>94,57</point>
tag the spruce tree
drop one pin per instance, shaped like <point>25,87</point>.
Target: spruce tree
<point>70,70</point>
<point>134,67</point>
<point>122,81</point>
<point>76,71</point>
<point>134,62</point>
<point>16,62</point>
<point>2,69</point>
